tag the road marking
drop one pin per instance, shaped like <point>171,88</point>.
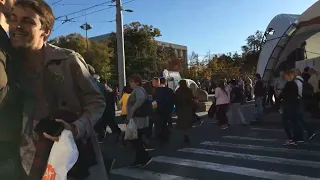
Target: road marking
<point>246,105</point>
<point>142,174</point>
<point>269,159</point>
<point>231,169</point>
<point>265,140</point>
<point>265,129</point>
<point>262,148</point>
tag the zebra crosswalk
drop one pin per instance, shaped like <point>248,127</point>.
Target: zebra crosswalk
<point>232,157</point>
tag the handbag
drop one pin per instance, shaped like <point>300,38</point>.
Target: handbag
<point>145,110</point>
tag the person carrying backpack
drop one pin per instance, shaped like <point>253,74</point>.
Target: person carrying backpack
<point>305,91</point>
<point>314,81</point>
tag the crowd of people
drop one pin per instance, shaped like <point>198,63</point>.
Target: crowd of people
<point>293,94</point>
<point>40,82</point>
<point>154,127</point>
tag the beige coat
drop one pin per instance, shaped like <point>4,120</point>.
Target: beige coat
<point>69,86</point>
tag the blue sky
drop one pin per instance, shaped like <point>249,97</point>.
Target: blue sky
<point>218,26</point>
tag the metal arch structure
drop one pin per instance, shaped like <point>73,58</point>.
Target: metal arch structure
<point>281,25</point>
<point>290,31</point>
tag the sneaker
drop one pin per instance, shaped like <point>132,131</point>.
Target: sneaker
<point>109,163</point>
<point>312,136</point>
<point>146,162</point>
<point>148,147</point>
<point>224,127</point>
<point>201,123</point>
<point>215,122</point>
<point>136,164</point>
<point>100,139</point>
<point>280,111</point>
<point>289,142</point>
<point>112,164</point>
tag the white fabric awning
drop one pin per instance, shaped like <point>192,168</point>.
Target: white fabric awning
<point>307,30</point>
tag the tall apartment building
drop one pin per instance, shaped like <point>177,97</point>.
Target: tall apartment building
<point>180,50</point>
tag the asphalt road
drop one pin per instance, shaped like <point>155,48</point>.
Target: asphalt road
<point>239,153</point>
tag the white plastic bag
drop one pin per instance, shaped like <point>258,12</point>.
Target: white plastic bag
<point>131,132</point>
<point>64,154</point>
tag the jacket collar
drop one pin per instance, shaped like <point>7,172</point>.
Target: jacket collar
<point>5,43</point>
<point>52,52</point>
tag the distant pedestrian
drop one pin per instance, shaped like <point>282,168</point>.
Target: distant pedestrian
<point>236,98</point>
<point>222,96</point>
<point>164,99</point>
<point>108,117</point>
<point>136,100</point>
<point>183,99</point>
<point>124,100</point>
<point>259,95</point>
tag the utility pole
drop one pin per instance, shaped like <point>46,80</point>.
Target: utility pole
<point>120,47</point>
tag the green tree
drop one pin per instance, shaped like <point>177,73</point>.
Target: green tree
<point>251,51</point>
<point>166,59</point>
<point>140,50</point>
<point>98,54</point>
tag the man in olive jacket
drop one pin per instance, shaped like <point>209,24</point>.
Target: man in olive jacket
<point>10,101</point>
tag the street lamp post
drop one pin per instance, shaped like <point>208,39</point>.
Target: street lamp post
<point>120,45</point>
<point>86,27</point>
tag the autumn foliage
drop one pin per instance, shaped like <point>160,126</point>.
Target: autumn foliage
<point>145,57</point>
<point>227,65</point>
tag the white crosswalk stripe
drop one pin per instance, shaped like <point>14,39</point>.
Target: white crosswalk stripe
<point>253,157</point>
<point>264,140</point>
<point>269,129</point>
<point>210,151</point>
<point>143,174</point>
<point>261,148</point>
<point>230,169</point>
<point>266,129</point>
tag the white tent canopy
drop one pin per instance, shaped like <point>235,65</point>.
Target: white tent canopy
<point>290,31</point>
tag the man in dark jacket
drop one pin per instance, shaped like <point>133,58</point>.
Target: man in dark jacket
<point>291,105</point>
<point>108,117</point>
<point>10,101</point>
<point>164,98</point>
<point>259,93</point>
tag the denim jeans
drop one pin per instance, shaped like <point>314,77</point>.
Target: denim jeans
<point>291,121</point>
<point>259,107</point>
<point>302,121</point>
<point>236,115</point>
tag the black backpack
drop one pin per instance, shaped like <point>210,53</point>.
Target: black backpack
<point>146,109</point>
<point>307,88</point>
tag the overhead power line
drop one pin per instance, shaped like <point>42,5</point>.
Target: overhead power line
<point>63,4</point>
<point>85,9</point>
<point>103,9</point>
<point>56,2</point>
<point>72,19</point>
<point>99,10</point>
<point>90,22</point>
